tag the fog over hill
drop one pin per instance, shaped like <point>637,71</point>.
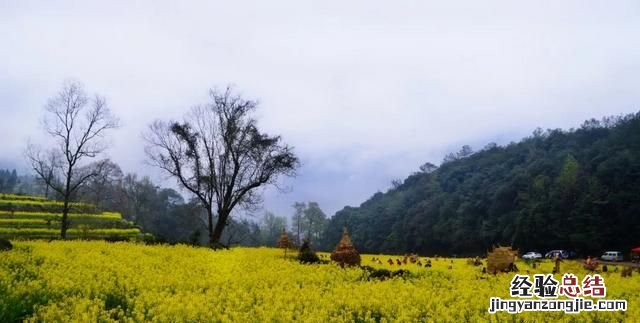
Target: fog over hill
<point>365,91</point>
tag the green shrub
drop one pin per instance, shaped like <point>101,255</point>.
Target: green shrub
<point>382,274</point>
<point>5,245</point>
<point>306,255</point>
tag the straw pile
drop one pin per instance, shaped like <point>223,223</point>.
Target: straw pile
<point>345,253</point>
<point>501,259</point>
<point>283,241</point>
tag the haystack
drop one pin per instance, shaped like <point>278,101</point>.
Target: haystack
<point>346,253</point>
<point>283,240</point>
<point>501,259</point>
<point>591,266</point>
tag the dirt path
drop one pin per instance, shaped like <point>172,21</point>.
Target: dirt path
<point>616,263</point>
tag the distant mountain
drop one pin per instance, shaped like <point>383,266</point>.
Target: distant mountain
<point>577,189</point>
<point>8,164</point>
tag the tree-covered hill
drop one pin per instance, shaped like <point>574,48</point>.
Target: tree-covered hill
<point>577,189</point>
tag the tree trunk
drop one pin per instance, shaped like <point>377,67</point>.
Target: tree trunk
<point>65,221</point>
<point>46,185</point>
<point>298,236</point>
<point>65,210</point>
<point>210,224</point>
<point>97,201</point>
<point>216,234</point>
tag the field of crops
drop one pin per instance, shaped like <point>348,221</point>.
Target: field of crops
<point>90,281</point>
<point>31,217</point>
<point>17,203</point>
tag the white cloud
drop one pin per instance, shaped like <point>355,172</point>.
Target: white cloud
<point>366,90</point>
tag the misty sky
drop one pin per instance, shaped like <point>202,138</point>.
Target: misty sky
<point>366,91</point>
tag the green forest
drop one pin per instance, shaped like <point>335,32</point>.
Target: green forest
<point>571,189</point>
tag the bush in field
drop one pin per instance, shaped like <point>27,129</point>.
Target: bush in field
<point>116,238</point>
<point>306,255</point>
<point>5,245</point>
<point>382,274</point>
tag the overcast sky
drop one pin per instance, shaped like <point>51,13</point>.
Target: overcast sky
<point>366,91</point>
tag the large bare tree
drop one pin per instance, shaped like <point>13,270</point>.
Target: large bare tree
<point>218,154</point>
<point>77,124</point>
<point>99,188</point>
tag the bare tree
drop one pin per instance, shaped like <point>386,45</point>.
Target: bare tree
<point>77,124</point>
<point>48,178</point>
<point>99,187</point>
<point>136,198</point>
<point>218,154</point>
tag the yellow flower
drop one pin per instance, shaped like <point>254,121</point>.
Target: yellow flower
<point>90,281</point>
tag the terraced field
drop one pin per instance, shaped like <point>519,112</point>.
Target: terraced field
<point>32,217</point>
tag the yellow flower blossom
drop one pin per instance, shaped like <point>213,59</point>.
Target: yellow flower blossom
<point>96,281</point>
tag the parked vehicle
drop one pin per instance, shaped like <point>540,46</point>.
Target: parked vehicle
<point>532,255</point>
<point>635,254</point>
<point>563,254</point>
<point>612,256</point>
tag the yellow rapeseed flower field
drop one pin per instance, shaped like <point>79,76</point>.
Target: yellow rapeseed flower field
<point>81,281</point>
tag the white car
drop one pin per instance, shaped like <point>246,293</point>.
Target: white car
<point>612,256</point>
<point>532,255</point>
